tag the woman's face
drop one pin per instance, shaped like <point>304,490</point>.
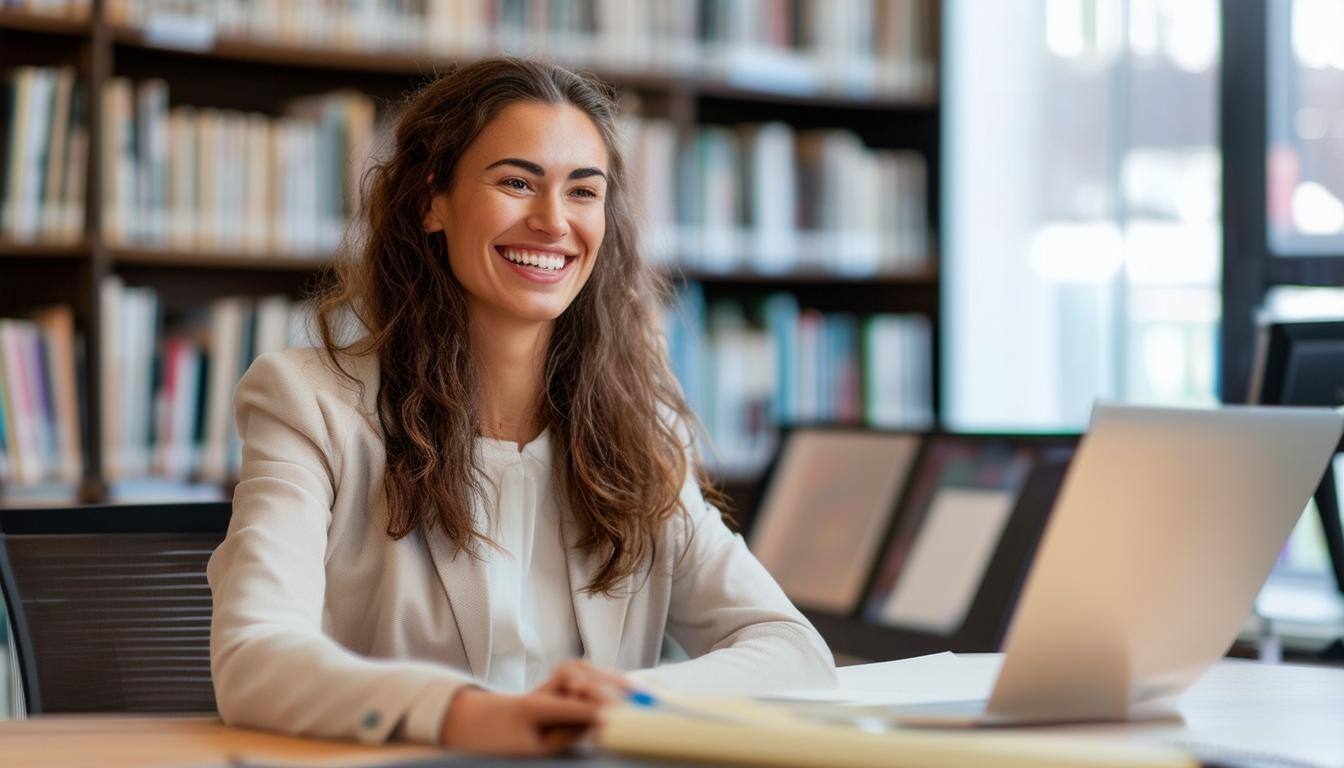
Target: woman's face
<point>525,212</point>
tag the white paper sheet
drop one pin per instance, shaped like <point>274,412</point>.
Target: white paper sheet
<point>918,680</point>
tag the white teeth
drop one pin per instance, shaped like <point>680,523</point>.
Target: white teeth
<point>533,259</point>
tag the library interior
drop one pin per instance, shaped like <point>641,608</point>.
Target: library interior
<point>969,299</point>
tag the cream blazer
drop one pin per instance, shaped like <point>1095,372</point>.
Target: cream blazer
<point>325,626</point>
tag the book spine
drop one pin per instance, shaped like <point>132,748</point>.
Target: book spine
<point>57,156</point>
<point>21,87</point>
<point>22,404</point>
<point>111,364</point>
<point>36,153</point>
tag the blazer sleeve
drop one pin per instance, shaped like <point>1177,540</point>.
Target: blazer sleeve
<point>743,634</point>
<point>272,665</point>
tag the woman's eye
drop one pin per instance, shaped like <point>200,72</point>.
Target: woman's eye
<point>515,183</point>
<point>585,192</point>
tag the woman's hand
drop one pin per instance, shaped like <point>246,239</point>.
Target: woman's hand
<point>537,723</point>
<point>587,682</point>
<point>550,719</point>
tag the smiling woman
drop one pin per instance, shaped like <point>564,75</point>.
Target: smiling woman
<point>477,523</point>
<point>538,218</point>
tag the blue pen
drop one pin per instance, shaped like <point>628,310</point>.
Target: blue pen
<point>649,701</point>
<point>641,699</point>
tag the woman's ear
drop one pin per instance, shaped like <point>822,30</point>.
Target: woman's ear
<point>435,214</point>
<point>432,221</point>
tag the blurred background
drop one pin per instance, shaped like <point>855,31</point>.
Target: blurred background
<point>927,217</point>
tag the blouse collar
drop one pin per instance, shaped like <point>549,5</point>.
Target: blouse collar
<point>507,450</point>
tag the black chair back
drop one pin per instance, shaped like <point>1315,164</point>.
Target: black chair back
<point>109,607</point>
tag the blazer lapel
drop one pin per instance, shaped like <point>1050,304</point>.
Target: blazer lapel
<point>600,618</point>
<point>464,579</point>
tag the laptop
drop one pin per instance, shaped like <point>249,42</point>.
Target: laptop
<point>1167,524</point>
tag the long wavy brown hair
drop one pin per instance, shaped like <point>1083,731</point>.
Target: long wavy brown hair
<point>620,428</point>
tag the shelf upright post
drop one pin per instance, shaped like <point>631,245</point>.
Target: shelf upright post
<point>96,61</point>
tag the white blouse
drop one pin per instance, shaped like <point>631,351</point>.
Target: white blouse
<point>532,623</point>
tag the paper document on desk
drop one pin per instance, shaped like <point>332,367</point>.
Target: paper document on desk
<point>919,680</point>
<point>725,730</point>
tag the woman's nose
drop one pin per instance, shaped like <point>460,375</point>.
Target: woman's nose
<point>548,216</point>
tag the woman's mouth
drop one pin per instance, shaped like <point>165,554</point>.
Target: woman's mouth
<point>540,266</point>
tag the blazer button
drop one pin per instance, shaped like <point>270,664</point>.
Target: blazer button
<point>371,719</point>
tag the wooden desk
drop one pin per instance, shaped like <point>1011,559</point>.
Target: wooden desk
<point>1294,713</point>
<point>141,742</point>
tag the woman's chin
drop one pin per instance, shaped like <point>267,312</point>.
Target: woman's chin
<point>537,313</point>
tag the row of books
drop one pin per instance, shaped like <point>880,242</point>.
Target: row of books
<point>44,144</point>
<point>167,382</point>
<point>762,196</point>
<point>855,46</point>
<point>41,365</point>
<point>209,179</point>
<point>769,198</point>
<point>747,370</point>
<point>69,9</point>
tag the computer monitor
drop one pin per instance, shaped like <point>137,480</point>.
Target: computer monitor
<point>1302,363</point>
<point>829,497</point>
<point>963,536</point>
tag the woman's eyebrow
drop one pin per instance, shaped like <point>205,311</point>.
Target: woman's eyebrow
<point>537,170</point>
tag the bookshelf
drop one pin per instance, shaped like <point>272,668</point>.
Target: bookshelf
<point>213,67</point>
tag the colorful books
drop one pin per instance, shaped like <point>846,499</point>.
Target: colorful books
<point>168,378</point>
<point>767,199</point>
<point>747,370</point>
<point>40,388</point>
<point>760,198</point>
<point>43,151</point>
<point>858,47</point>
<point>217,180</point>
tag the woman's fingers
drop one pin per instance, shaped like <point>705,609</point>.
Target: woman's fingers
<point>584,680</point>
<point>508,724</point>
<point>559,722</point>
<point>561,738</point>
<point>551,710</point>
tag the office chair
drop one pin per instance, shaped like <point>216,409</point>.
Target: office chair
<point>109,607</point>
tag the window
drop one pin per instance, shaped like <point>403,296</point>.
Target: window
<point>1081,208</point>
<point>1305,169</point>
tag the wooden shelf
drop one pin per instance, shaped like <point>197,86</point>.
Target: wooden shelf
<point>41,250</point>
<point>809,277</point>
<point>880,102</point>
<point>289,56</point>
<point>17,21</point>
<point>195,260</point>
